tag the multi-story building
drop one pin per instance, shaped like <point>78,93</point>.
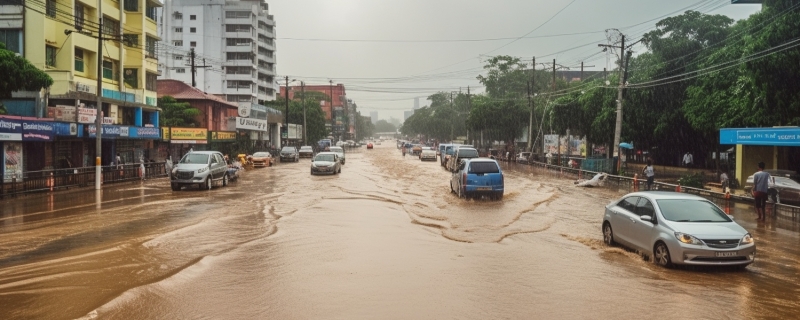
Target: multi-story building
<point>60,38</point>
<point>373,116</point>
<point>232,43</point>
<point>335,112</point>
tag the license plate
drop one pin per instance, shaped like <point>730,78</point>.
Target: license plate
<point>727,254</point>
<point>484,188</point>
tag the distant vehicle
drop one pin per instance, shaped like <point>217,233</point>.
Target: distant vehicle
<point>782,187</point>
<point>369,145</point>
<point>461,153</point>
<point>522,157</point>
<point>442,146</point>
<point>324,144</point>
<point>306,152</point>
<point>677,228</point>
<point>340,143</point>
<point>325,162</point>
<point>201,168</point>
<point>289,154</point>
<point>447,153</point>
<point>416,149</point>
<point>478,177</point>
<point>427,155</point>
<point>261,159</point>
<point>340,153</point>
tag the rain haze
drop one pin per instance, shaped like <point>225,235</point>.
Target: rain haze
<point>387,53</point>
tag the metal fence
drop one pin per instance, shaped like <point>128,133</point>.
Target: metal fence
<point>60,179</point>
<point>629,184</point>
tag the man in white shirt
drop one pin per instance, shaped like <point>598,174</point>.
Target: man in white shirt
<point>687,159</point>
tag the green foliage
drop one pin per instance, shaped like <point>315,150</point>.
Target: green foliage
<point>693,180</point>
<point>19,74</point>
<point>2,109</point>
<point>177,114</point>
<point>364,127</point>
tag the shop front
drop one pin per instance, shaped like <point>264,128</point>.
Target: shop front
<point>777,147</point>
<point>182,140</point>
<point>27,146</point>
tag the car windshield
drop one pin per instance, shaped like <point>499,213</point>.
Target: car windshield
<point>464,153</point>
<point>305,149</point>
<point>195,158</point>
<point>483,167</point>
<point>691,210</point>
<point>287,149</point>
<point>261,154</point>
<point>324,157</point>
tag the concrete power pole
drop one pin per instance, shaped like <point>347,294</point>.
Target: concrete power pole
<point>618,126</point>
<point>305,131</point>
<point>99,117</point>
<point>194,67</point>
<point>530,105</point>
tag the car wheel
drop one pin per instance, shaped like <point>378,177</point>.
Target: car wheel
<point>175,187</point>
<point>340,169</point>
<point>608,234</point>
<point>312,172</point>
<point>225,180</point>
<point>661,255</point>
<point>499,196</point>
<point>209,183</point>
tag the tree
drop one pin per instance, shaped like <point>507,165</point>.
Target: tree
<point>364,127</point>
<point>177,114</point>
<point>384,126</point>
<point>19,74</point>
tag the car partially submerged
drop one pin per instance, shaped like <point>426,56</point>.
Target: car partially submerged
<point>478,177</point>
<point>783,187</point>
<point>427,155</point>
<point>201,168</point>
<point>325,162</point>
<point>306,152</point>
<point>261,159</point>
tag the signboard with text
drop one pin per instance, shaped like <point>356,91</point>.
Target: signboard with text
<point>188,134</point>
<point>10,130</point>
<point>782,137</point>
<point>251,124</point>
<point>222,136</point>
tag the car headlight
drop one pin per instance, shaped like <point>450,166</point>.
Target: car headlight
<point>747,239</point>
<point>688,239</point>
<point>201,170</point>
<point>174,170</point>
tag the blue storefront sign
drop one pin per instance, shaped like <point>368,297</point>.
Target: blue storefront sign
<point>10,130</point>
<point>109,131</point>
<point>145,133</point>
<point>65,129</point>
<point>782,137</point>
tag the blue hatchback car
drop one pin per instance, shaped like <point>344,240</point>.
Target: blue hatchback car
<point>478,177</point>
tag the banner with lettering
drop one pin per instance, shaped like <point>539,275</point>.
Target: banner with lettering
<point>10,130</point>
<point>37,131</point>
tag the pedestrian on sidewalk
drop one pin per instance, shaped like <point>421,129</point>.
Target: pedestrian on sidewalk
<point>687,159</point>
<point>723,181</point>
<point>760,188</point>
<point>650,173</point>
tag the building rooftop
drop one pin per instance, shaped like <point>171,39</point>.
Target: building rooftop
<point>182,91</point>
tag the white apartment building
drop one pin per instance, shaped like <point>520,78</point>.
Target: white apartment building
<point>233,42</point>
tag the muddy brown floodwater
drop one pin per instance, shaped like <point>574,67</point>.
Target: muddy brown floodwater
<point>384,239</point>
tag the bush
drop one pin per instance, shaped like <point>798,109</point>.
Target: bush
<point>694,180</point>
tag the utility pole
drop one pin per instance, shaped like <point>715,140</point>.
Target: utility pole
<point>558,157</point>
<point>286,118</point>
<point>194,67</point>
<point>305,131</point>
<point>333,119</point>
<point>99,92</point>
<point>469,109</point>
<point>618,126</point>
<point>581,71</point>
<point>530,104</point>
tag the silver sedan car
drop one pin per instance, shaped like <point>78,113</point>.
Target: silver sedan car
<point>677,228</point>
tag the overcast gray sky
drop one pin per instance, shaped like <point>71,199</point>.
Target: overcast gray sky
<point>386,52</point>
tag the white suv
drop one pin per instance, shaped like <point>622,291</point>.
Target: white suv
<point>201,168</point>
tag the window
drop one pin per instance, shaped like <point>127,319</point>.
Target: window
<point>238,14</point>
<point>193,30</point>
<point>150,81</point>
<point>192,17</point>
<point>131,40</point>
<point>78,59</point>
<point>238,70</point>
<point>483,167</point>
<point>108,70</point>
<point>178,57</point>
<point>110,26</point>
<point>150,12</point>
<point>180,70</point>
<point>132,5</point>
<point>178,29</point>
<point>131,77</point>
<point>50,56</point>
<point>645,208</point>
<point>12,38</point>
<point>177,43</point>
<point>238,41</point>
<point>50,8</point>
<point>240,84</point>
<point>79,16</point>
<point>239,56</point>
<point>193,44</point>
<point>629,204</point>
<point>238,28</point>
<point>178,15</point>
<point>150,47</point>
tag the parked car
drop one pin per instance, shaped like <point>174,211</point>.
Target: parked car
<point>369,145</point>
<point>477,177</point>
<point>522,157</point>
<point>783,188</point>
<point>261,159</point>
<point>201,168</point>
<point>326,162</point>
<point>460,154</point>
<point>677,228</point>
<point>447,153</point>
<point>289,154</point>
<point>306,152</point>
<point>339,151</point>
<point>427,155</point>
<point>440,150</point>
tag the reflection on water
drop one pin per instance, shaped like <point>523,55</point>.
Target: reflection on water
<point>384,239</point>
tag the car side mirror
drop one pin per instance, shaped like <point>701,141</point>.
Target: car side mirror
<point>647,218</point>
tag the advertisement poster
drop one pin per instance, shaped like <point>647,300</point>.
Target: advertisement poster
<point>12,158</point>
<point>551,143</point>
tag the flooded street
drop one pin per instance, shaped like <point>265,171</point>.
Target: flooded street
<point>383,239</point>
